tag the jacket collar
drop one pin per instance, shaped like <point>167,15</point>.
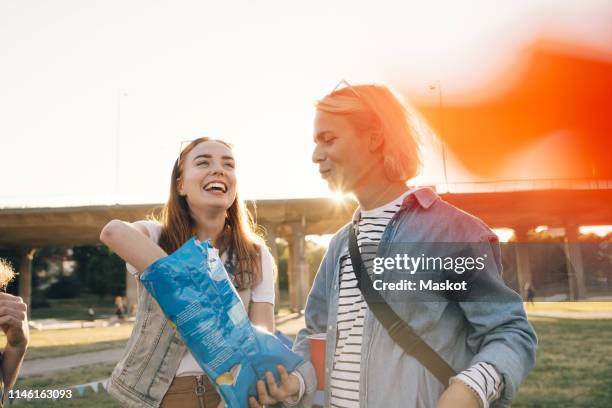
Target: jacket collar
<point>424,196</point>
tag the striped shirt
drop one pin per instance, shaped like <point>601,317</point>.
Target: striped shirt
<point>482,378</point>
<point>352,307</point>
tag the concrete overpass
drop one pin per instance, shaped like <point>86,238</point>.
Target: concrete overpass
<point>26,229</point>
<point>29,228</point>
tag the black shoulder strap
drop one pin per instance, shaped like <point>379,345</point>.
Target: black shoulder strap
<point>398,330</point>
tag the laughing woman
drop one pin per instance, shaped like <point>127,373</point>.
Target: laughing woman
<point>157,369</point>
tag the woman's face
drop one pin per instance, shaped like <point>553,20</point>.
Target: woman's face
<point>208,178</point>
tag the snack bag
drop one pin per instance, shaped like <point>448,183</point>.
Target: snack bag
<point>196,294</point>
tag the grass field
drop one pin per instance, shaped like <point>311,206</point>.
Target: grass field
<point>75,309</point>
<point>56,343</point>
<point>569,307</point>
<point>62,379</point>
<point>574,365</point>
<point>573,369</point>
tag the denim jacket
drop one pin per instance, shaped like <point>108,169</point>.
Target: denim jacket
<point>151,357</point>
<point>462,332</point>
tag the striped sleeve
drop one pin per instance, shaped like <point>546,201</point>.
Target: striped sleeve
<point>291,401</point>
<point>484,380</point>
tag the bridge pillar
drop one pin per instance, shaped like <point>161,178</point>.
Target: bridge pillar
<point>573,256</point>
<point>25,276</point>
<point>523,268</point>
<point>271,234</point>
<point>131,293</point>
<point>298,288</point>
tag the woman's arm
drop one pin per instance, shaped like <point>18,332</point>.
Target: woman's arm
<point>262,315</point>
<point>131,243</point>
<point>262,295</point>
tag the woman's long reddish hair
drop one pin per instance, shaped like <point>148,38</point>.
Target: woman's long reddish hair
<point>239,232</point>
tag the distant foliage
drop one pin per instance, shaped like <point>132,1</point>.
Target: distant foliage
<point>314,255</point>
<point>41,261</point>
<point>282,266</point>
<point>66,287</point>
<point>99,270</point>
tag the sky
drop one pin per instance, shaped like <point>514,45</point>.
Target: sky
<point>97,96</point>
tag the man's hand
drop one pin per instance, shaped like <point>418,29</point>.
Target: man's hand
<point>288,388</point>
<point>14,321</point>
<point>458,395</point>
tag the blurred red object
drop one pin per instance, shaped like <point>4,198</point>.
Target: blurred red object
<point>551,119</point>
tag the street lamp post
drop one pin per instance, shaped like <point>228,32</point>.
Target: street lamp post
<point>438,85</point>
<point>120,94</point>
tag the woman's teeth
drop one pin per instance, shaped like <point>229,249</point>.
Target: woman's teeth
<point>215,186</point>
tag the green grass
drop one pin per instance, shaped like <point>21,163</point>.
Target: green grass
<point>49,352</point>
<point>573,367</point>
<point>64,378</point>
<point>61,379</point>
<point>90,400</point>
<point>56,343</point>
<point>75,309</point>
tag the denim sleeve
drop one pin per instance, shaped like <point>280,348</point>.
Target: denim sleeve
<point>316,322</point>
<point>500,332</point>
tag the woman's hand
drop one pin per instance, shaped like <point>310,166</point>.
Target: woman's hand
<point>274,393</point>
<point>458,395</point>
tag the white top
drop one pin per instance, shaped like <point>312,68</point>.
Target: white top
<point>263,292</point>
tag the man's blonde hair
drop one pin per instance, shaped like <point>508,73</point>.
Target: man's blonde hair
<point>377,108</point>
<point>6,273</point>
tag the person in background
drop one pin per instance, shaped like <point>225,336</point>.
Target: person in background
<point>530,293</point>
<point>91,314</point>
<point>119,308</point>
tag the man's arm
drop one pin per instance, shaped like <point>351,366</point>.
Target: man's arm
<point>501,335</point>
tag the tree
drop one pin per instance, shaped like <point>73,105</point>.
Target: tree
<point>283,264</point>
<point>100,270</point>
<point>314,256</point>
<point>43,258</point>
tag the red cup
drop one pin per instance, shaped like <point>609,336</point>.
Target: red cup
<point>317,356</point>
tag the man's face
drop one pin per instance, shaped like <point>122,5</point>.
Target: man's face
<point>343,155</point>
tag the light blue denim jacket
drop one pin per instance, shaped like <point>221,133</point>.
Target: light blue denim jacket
<point>152,355</point>
<point>462,332</point>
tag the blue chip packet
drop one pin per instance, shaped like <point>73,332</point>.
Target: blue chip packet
<point>196,294</point>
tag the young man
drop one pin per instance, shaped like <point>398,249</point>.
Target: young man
<point>367,144</point>
<point>14,324</point>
